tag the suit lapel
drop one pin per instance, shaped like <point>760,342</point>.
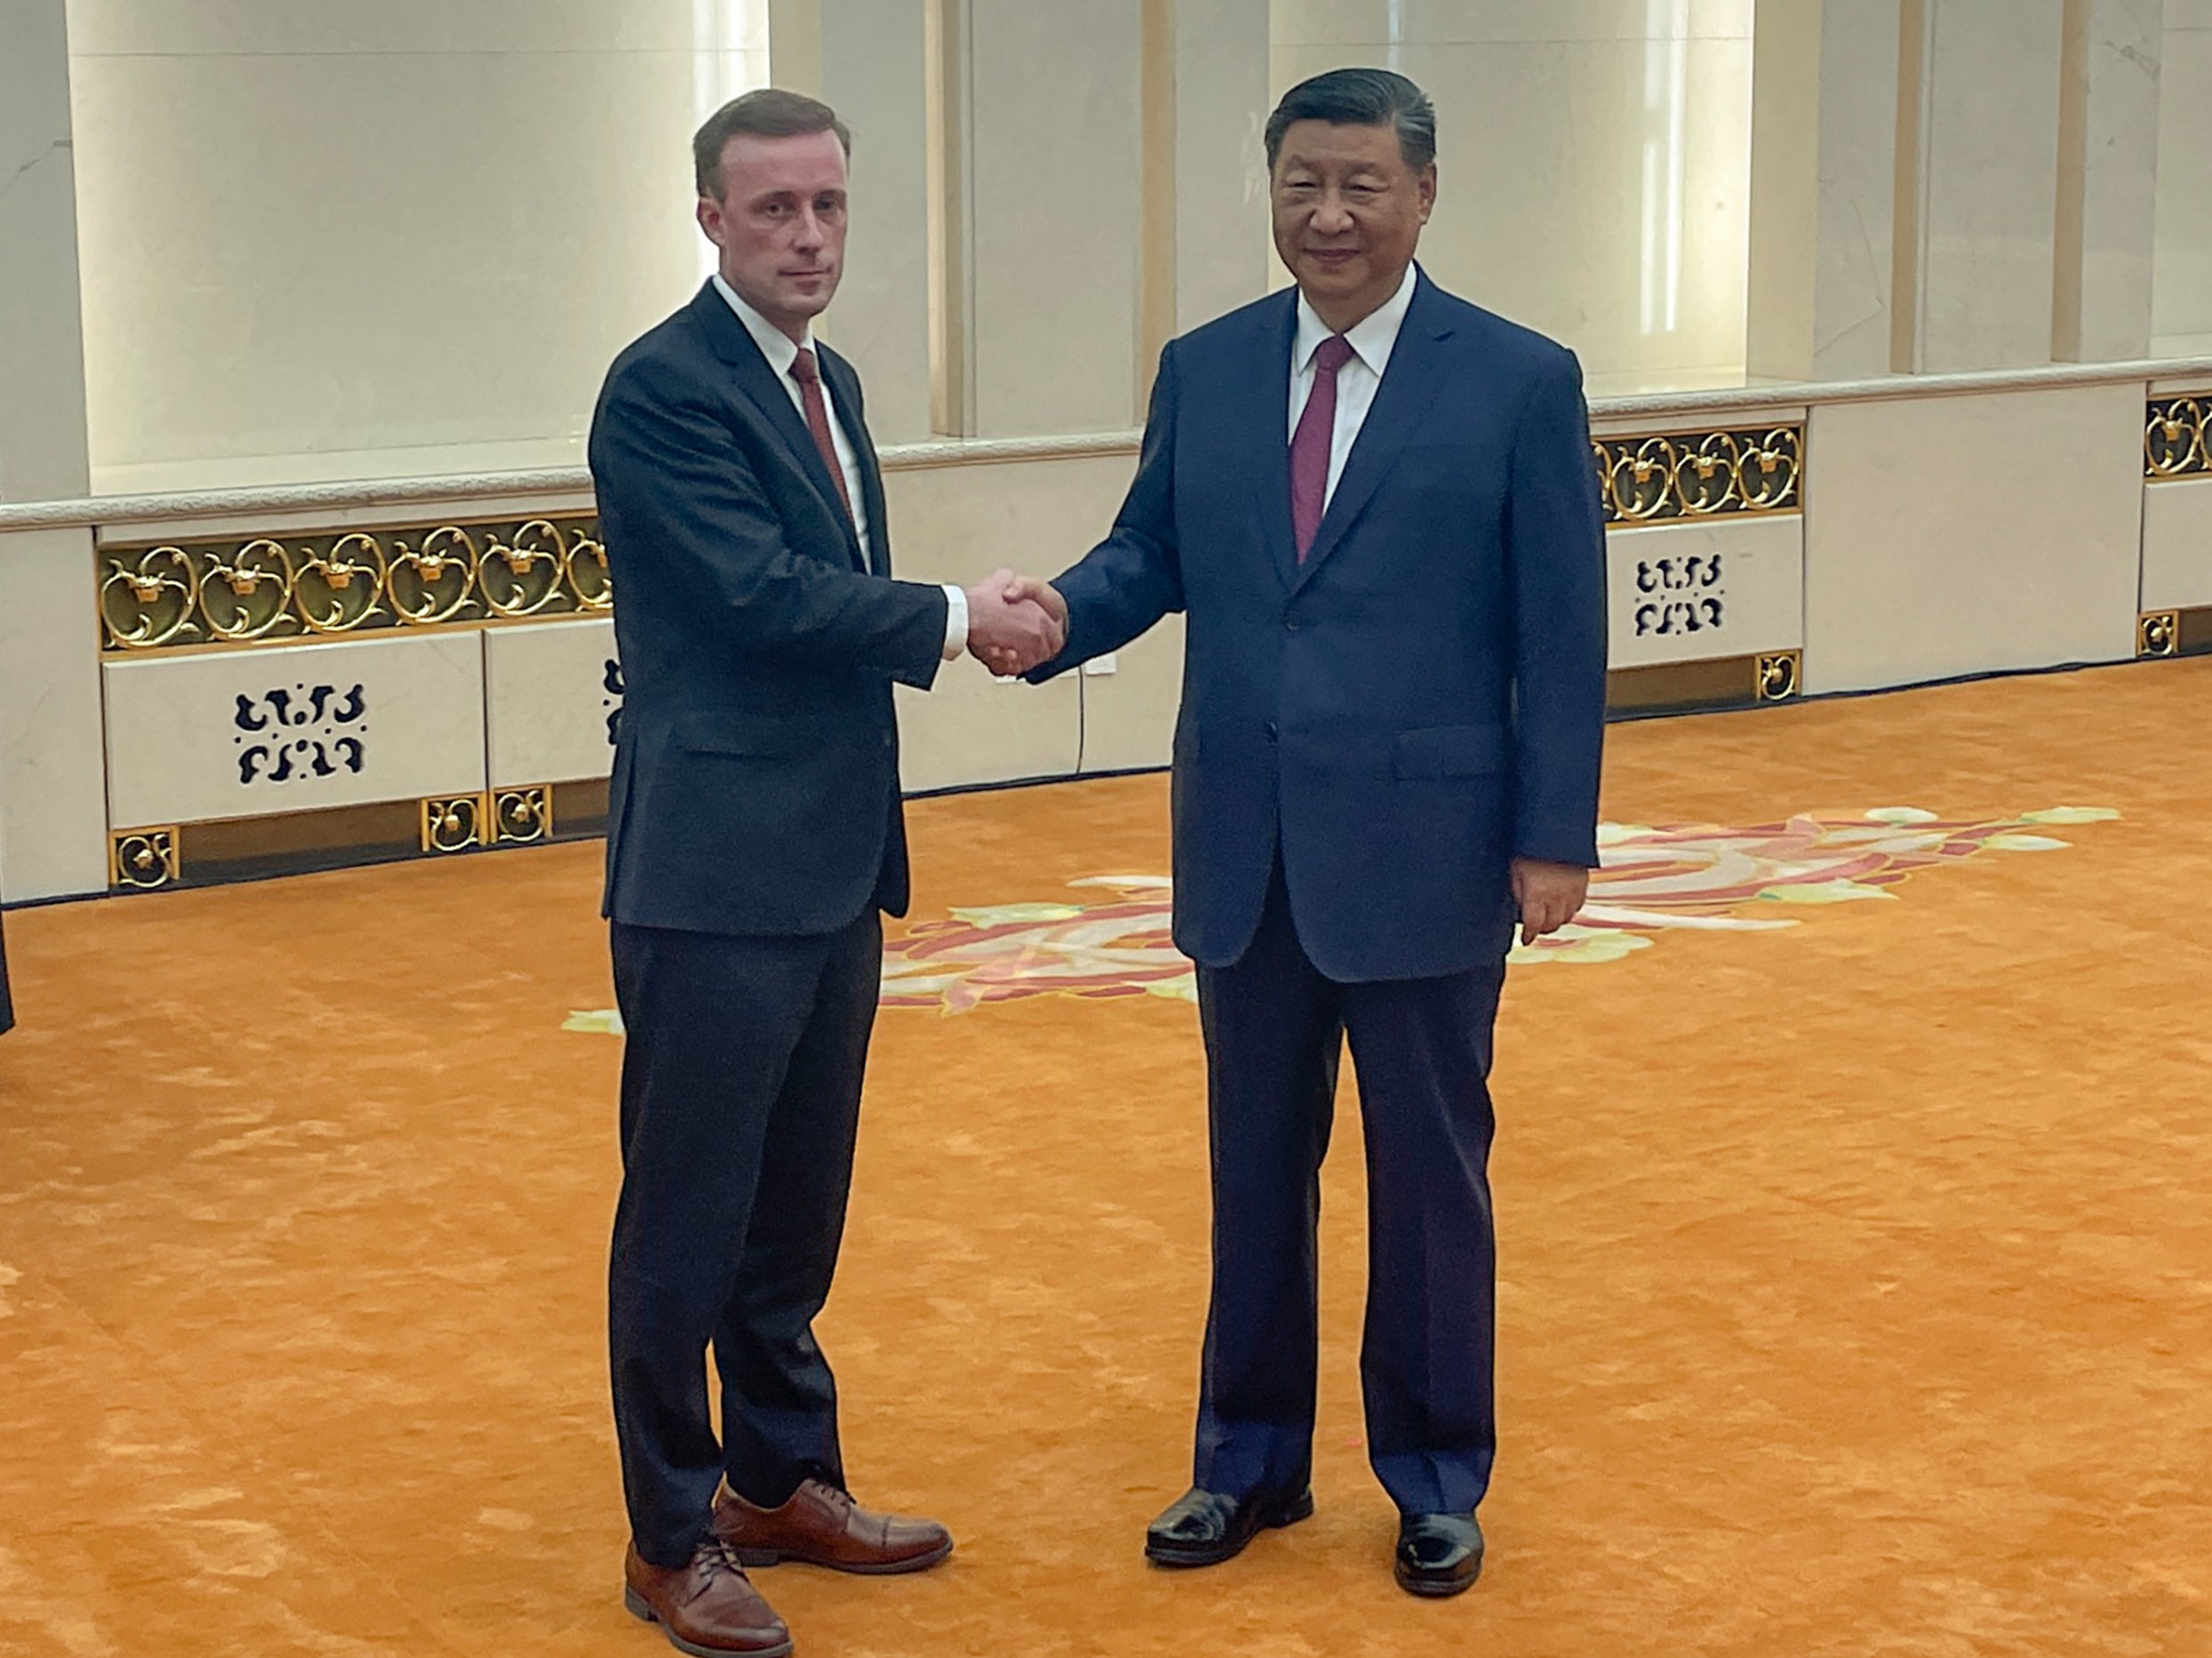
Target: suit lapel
<point>1410,382</point>
<point>1268,419</point>
<point>844,387</point>
<point>760,386</point>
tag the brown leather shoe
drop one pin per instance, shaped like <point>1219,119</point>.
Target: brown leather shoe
<point>823,1526</point>
<point>707,1607</point>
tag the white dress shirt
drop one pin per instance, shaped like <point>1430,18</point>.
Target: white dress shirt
<point>781,352</point>
<point>1371,339</point>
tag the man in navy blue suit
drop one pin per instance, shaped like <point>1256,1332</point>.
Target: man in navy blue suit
<point>1375,506</point>
<point>755,840</point>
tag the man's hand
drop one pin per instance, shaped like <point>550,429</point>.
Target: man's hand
<point>1548,895</point>
<point>1011,630</point>
<point>1043,594</point>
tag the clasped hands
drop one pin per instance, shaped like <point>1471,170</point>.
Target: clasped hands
<point>1015,623</point>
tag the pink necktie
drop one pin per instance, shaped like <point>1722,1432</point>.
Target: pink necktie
<point>810,379</point>
<point>1310,444</point>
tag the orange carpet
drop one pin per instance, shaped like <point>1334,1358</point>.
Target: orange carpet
<point>1857,1274</point>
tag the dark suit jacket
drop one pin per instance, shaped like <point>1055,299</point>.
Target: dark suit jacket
<point>755,785</point>
<point>1423,698</point>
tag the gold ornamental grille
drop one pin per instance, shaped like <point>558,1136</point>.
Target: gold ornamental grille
<point>1700,474</point>
<point>273,589</point>
<point>2175,440</point>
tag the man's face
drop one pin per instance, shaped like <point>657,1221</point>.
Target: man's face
<point>780,224</point>
<point>1348,214</point>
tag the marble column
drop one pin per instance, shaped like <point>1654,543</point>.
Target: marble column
<point>2107,179</point>
<point>866,59</point>
<point>1205,107</point>
<point>873,54</point>
<point>1977,243</point>
<point>1039,150</point>
<point>52,804</point>
<point>42,371</point>
<point>1824,170</point>
<point>2181,315</point>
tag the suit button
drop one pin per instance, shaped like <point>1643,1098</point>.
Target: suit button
<point>1268,730</point>
<point>1292,623</point>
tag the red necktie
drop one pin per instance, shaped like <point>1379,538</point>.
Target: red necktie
<point>1310,444</point>
<point>810,379</point>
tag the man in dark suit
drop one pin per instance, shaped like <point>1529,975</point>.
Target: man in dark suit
<point>1376,505</point>
<point>755,837</point>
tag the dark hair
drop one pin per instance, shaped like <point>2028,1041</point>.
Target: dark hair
<point>770,112</point>
<point>1361,98</point>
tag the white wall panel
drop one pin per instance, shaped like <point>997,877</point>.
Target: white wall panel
<point>551,692</point>
<point>2177,543</point>
<point>1129,715</point>
<point>1689,592</point>
<point>53,819</point>
<point>1968,534</point>
<point>240,733</point>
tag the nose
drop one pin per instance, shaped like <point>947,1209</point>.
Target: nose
<point>809,229</point>
<point>1332,217</point>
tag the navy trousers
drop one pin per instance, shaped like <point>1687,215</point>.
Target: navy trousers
<point>1274,1027</point>
<point>740,1096</point>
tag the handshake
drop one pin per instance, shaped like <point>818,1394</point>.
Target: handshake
<point>1015,623</point>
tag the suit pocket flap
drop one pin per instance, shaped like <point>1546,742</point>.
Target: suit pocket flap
<point>749,734</point>
<point>1448,751</point>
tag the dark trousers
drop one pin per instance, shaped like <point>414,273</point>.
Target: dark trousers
<point>1421,1048</point>
<point>741,1095</point>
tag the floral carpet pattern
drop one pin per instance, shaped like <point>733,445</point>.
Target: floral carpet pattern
<point>1652,879</point>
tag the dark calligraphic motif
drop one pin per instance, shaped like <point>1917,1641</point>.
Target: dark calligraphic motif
<point>1684,596</point>
<point>289,733</point>
<point>610,683</point>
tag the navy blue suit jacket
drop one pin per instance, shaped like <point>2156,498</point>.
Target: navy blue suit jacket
<point>1419,701</point>
<point>756,787</point>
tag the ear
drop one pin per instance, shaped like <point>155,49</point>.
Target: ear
<point>1425,188</point>
<point>710,218</point>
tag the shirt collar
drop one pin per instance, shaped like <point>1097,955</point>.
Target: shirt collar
<point>1371,337</point>
<point>775,345</point>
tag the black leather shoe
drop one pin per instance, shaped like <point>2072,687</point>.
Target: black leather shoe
<point>1204,1527</point>
<point>1438,1554</point>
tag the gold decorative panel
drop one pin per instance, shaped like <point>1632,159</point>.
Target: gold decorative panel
<point>521,815</point>
<point>266,589</point>
<point>1778,675</point>
<point>2175,441</point>
<point>142,859</point>
<point>1700,474</point>
<point>454,825</point>
<point>515,817</point>
<point>2158,634</point>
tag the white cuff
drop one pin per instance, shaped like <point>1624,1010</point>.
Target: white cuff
<point>955,622</point>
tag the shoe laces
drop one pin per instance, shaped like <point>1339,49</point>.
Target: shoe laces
<point>716,1559</point>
